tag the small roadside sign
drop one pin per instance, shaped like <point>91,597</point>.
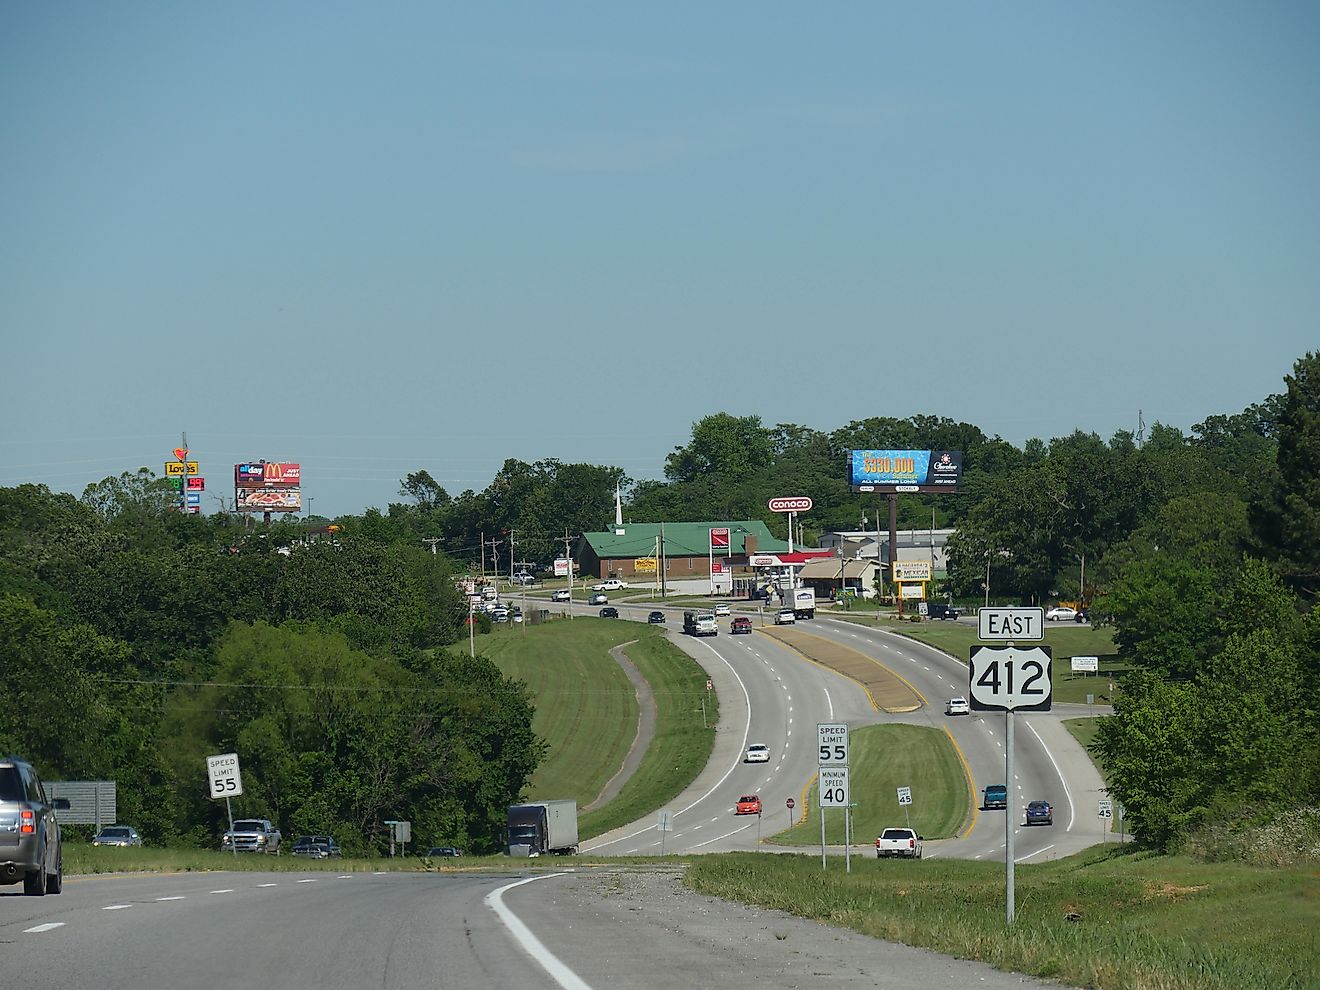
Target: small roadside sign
<point>1010,623</point>
<point>834,787</point>
<point>923,609</point>
<point>904,796</point>
<point>223,775</point>
<point>832,744</point>
<point>791,804</point>
<point>1106,808</point>
<point>665,821</point>
<point>1086,663</point>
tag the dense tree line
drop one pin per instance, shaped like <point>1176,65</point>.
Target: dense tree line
<point>133,634</point>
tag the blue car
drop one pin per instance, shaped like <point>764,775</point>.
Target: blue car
<point>1040,813</point>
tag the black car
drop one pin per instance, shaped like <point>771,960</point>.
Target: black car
<point>938,610</point>
<point>317,847</point>
<point>656,617</point>
<point>609,612</point>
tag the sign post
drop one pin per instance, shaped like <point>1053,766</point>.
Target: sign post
<point>789,804</point>
<point>226,781</point>
<point>1105,810</point>
<point>832,758</point>
<point>1008,679</point>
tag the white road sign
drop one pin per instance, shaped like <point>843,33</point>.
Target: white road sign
<point>1010,678</point>
<point>223,775</point>
<point>1010,623</point>
<point>904,796</point>
<point>665,821</point>
<point>832,744</point>
<point>1106,809</point>
<point>1086,663</point>
<point>834,787</point>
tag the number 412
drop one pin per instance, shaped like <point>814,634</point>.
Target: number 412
<point>1032,671</point>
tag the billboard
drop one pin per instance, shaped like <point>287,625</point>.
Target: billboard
<point>905,470</point>
<point>267,499</point>
<point>267,486</point>
<point>644,565</point>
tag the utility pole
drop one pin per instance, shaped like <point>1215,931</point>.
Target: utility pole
<point>432,540</point>
<point>512,544</point>
<point>893,550</point>
<point>568,555</point>
<point>664,590</point>
<point>483,555</point>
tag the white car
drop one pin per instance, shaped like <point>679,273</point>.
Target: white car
<point>1061,613</point>
<point>561,595</point>
<point>757,753</point>
<point>610,584</point>
<point>598,599</point>
<point>957,706</point>
<point>785,617</point>
<point>721,608</point>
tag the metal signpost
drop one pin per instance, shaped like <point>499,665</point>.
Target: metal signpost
<point>833,794</point>
<point>1105,810</point>
<point>226,781</point>
<point>1008,679</point>
<point>665,823</point>
<point>789,804</point>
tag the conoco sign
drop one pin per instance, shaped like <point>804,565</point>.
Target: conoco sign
<point>799,503</point>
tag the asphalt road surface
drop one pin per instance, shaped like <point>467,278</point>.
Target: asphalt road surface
<point>588,930</point>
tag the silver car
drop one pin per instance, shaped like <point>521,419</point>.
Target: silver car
<point>30,846</point>
<point>117,835</point>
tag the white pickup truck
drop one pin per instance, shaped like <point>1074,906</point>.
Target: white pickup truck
<point>902,842</point>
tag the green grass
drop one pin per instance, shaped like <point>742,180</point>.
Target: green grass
<point>587,713</point>
<point>1137,920</point>
<point>84,858</point>
<point>882,759</point>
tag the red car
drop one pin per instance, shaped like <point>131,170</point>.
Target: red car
<point>742,624</point>
<point>749,804</point>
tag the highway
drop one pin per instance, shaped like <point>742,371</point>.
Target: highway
<point>596,930</point>
<point>771,694</point>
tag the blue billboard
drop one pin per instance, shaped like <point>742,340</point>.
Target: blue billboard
<point>905,470</point>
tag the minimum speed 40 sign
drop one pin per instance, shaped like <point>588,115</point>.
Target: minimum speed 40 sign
<point>834,787</point>
<point>1010,679</point>
<point>223,775</point>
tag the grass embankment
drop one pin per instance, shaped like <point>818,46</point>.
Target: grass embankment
<point>1104,918</point>
<point>84,858</point>
<point>882,759</point>
<point>586,711</point>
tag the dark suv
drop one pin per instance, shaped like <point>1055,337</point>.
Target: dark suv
<point>30,848</point>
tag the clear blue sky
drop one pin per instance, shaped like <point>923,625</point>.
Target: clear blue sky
<point>374,238</point>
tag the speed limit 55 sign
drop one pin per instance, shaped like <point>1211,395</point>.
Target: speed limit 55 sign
<point>223,777</point>
<point>1010,679</point>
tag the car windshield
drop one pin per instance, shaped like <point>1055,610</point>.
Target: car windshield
<point>114,833</point>
<point>747,799</point>
<point>895,833</point>
<point>255,825</point>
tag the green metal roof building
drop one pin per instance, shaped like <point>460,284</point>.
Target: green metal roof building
<point>687,548</point>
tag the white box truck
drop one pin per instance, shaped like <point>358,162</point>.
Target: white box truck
<point>542,828</point>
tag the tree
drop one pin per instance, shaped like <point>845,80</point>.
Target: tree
<point>424,490</point>
<point>1287,521</point>
<point>722,445</point>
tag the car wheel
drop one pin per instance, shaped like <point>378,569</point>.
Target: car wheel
<point>34,883</point>
<point>55,881</point>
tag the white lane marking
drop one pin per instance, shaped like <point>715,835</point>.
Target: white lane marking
<point>631,851</point>
<point>829,701</point>
<point>116,907</point>
<point>266,885</point>
<point>50,926</point>
<point>346,876</point>
<point>311,880</point>
<point>223,890</point>
<point>381,873</point>
<point>696,827</point>
<point>1072,812</point>
<point>737,760</point>
<point>724,836</point>
<point>1036,853</point>
<point>533,946</point>
<point>176,897</point>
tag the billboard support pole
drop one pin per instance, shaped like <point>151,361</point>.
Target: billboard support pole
<point>893,551</point>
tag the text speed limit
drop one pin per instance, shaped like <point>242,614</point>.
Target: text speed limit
<point>834,787</point>
<point>223,775</point>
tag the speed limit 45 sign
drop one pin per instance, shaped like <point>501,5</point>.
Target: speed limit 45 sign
<point>1010,679</point>
<point>223,776</point>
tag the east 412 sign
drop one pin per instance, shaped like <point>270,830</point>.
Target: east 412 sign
<point>1010,679</point>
